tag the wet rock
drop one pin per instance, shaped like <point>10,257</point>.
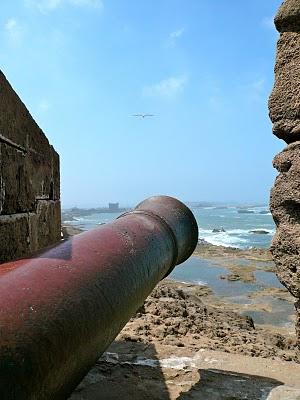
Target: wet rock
<point>218,230</point>
<point>202,241</point>
<point>259,232</point>
<point>233,277</point>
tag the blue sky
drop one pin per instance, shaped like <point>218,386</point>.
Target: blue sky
<point>203,67</point>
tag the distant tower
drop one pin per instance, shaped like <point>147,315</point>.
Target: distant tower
<point>113,207</point>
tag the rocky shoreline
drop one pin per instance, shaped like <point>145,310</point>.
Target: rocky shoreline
<point>177,347</point>
<point>183,325</point>
<point>192,316</point>
<point>182,315</point>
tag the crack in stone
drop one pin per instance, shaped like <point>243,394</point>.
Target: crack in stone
<point>10,143</point>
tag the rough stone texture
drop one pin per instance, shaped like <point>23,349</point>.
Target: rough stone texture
<point>29,181</point>
<point>284,102</point>
<point>288,16</point>
<point>285,207</point>
<point>284,106</point>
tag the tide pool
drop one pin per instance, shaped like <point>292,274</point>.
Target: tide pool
<point>263,309</point>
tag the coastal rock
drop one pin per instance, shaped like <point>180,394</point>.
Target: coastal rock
<point>218,230</point>
<point>259,232</point>
<point>176,315</point>
<point>284,107</point>
<point>231,277</point>
<point>29,181</point>
<point>203,242</point>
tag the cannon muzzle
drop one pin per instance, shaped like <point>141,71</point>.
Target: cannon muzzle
<point>61,309</point>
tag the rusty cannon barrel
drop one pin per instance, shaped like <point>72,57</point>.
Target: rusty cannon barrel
<point>61,309</point>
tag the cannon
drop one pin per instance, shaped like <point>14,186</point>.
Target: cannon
<point>62,308</point>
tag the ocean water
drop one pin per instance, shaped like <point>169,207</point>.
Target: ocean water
<point>237,233</point>
<point>237,226</point>
<point>92,221</point>
<point>208,273</point>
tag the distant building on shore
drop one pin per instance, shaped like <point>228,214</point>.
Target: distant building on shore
<point>113,207</point>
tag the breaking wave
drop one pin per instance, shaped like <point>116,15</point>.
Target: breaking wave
<point>241,238</point>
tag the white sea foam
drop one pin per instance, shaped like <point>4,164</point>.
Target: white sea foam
<point>232,237</point>
<point>198,282</point>
<point>201,283</point>
<point>213,217</point>
<point>222,238</point>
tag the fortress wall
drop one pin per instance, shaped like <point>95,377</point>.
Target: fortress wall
<point>29,181</point>
<point>284,107</point>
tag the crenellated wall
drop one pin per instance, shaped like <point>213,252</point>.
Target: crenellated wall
<point>284,107</point>
<point>29,181</point>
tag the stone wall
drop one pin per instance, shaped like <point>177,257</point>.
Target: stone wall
<point>284,106</point>
<point>29,181</point>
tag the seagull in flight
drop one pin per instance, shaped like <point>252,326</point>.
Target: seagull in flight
<point>143,115</point>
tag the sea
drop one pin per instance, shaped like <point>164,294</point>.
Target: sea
<point>235,224</point>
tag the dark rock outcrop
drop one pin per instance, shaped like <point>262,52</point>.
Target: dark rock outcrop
<point>218,230</point>
<point>29,181</point>
<point>284,106</point>
<point>288,15</point>
<point>259,232</point>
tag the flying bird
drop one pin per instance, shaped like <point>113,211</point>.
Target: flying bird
<point>143,115</point>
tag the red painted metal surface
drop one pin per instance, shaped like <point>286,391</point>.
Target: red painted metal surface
<point>59,311</point>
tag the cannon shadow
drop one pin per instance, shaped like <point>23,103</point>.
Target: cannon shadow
<point>131,371</point>
<point>226,385</point>
<point>62,252</point>
<point>119,375</point>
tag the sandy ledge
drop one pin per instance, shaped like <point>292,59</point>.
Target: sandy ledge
<point>163,353</point>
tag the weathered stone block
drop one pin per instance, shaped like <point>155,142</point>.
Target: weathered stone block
<point>285,208</point>
<point>284,106</point>
<point>17,194</point>
<point>288,16</point>
<point>14,236</point>
<point>43,233</point>
<point>16,123</point>
<point>29,181</point>
<point>284,102</point>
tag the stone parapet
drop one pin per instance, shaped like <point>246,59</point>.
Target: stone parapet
<point>29,181</point>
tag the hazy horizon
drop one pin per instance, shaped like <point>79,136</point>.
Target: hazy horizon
<point>204,69</point>
<point>126,204</point>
